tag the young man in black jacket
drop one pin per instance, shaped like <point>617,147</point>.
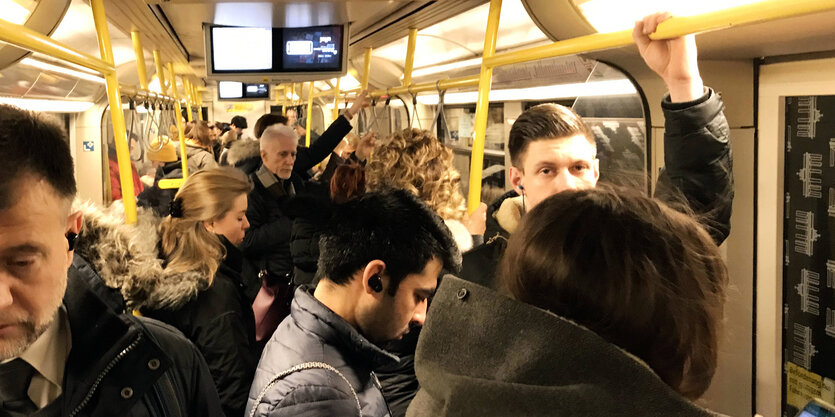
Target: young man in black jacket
<point>67,347</point>
<point>552,150</point>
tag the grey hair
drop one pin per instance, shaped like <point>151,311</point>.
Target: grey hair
<point>276,131</point>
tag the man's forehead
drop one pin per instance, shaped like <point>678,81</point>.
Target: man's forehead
<point>36,205</point>
<point>572,147</point>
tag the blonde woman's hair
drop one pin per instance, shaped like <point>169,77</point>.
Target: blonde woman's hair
<point>206,195</point>
<point>415,160</point>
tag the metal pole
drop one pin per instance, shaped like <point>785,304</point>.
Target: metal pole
<point>179,117</point>
<point>187,95</point>
<point>307,127</point>
<point>116,114</point>
<point>141,71</point>
<point>483,106</point>
<point>335,113</point>
<point>160,72</point>
<point>410,58</point>
<point>199,101</point>
<point>366,69</point>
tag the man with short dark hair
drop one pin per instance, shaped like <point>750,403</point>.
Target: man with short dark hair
<point>380,259</point>
<point>552,150</point>
<point>66,345</point>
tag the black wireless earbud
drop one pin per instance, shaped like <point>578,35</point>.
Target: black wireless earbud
<point>376,283</point>
<point>71,240</point>
<point>521,187</point>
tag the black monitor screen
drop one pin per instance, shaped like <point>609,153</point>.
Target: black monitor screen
<point>314,48</point>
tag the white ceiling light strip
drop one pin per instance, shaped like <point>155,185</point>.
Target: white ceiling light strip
<point>548,92</point>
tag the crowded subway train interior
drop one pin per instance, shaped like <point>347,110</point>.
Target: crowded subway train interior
<point>465,71</point>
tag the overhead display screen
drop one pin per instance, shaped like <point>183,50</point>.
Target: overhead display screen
<point>316,47</point>
<point>242,49</point>
<point>231,90</point>
<point>252,52</point>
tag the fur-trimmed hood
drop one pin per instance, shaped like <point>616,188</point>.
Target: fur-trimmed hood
<point>242,150</point>
<point>127,258</point>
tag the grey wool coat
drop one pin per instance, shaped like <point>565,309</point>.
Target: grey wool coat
<point>484,354</point>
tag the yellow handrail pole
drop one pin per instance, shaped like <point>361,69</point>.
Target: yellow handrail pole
<point>160,72</point>
<point>335,113</point>
<point>23,37</point>
<point>141,71</point>
<point>199,98</point>
<point>179,117</point>
<point>366,72</point>
<point>307,127</point>
<point>448,84</point>
<point>116,114</point>
<point>410,58</point>
<point>483,106</point>
<point>187,95</point>
<point>674,27</point>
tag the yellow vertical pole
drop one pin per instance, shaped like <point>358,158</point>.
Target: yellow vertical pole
<point>483,106</point>
<point>366,69</point>
<point>141,71</point>
<point>335,113</point>
<point>410,58</point>
<point>284,101</point>
<point>307,127</point>
<point>160,72</point>
<point>198,101</point>
<point>179,117</point>
<point>187,95</point>
<point>116,114</point>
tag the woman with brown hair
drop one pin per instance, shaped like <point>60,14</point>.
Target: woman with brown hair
<point>199,147</point>
<point>615,308</point>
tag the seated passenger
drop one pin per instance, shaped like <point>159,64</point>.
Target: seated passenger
<point>552,150</point>
<point>380,261</point>
<point>202,293</point>
<point>198,148</point>
<point>66,345</point>
<point>115,179</point>
<point>416,161</point>
<point>615,308</point>
<point>167,166</point>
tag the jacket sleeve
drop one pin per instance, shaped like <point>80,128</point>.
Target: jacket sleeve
<point>222,341</point>
<point>315,401</point>
<point>698,173</point>
<point>259,238</point>
<point>308,157</point>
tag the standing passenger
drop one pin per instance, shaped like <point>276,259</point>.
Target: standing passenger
<point>66,345</point>
<point>615,308</point>
<point>199,148</point>
<point>552,150</point>
<point>380,261</point>
<point>202,294</point>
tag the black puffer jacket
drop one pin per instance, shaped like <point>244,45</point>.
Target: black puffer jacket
<point>310,213</point>
<point>698,174</point>
<point>158,199</point>
<point>121,365</point>
<point>221,323</point>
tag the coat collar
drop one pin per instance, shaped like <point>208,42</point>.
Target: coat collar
<point>313,316</point>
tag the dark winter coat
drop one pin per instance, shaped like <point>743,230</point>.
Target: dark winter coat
<point>698,173</point>
<point>314,333</point>
<point>220,321</point>
<point>267,241</point>
<point>121,365</point>
<point>158,199</point>
<point>524,361</point>
<point>214,314</point>
<point>310,214</point>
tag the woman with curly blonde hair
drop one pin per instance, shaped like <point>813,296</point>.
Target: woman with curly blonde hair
<point>415,160</point>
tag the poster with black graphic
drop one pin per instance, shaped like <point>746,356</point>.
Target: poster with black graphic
<point>809,255</point>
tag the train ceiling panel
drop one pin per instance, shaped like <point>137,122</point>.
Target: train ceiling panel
<point>563,19</point>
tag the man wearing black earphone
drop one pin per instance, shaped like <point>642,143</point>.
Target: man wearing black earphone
<point>552,150</point>
<point>380,259</point>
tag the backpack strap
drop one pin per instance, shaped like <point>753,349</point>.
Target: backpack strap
<point>302,367</point>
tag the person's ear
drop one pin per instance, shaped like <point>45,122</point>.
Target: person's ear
<point>516,177</point>
<point>596,167</point>
<point>73,228</point>
<point>373,281</point>
<point>209,225</point>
